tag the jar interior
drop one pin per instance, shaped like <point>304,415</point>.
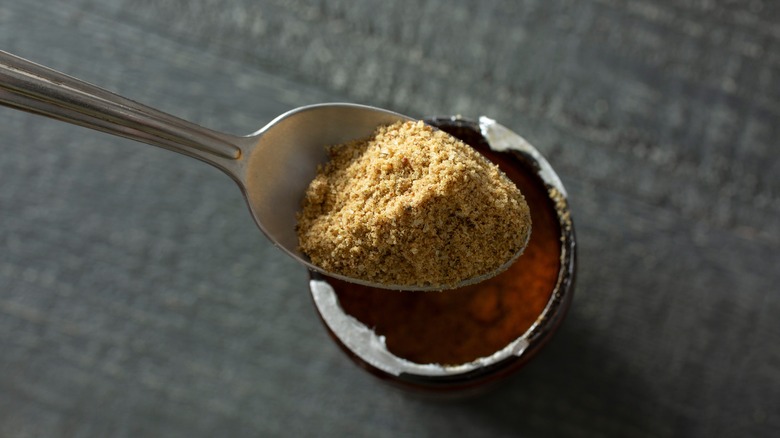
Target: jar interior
<point>461,325</point>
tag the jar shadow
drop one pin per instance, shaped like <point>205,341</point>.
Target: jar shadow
<point>574,384</point>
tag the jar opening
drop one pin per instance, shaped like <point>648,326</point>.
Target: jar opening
<point>458,331</point>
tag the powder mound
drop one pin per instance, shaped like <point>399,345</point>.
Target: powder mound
<point>411,206</point>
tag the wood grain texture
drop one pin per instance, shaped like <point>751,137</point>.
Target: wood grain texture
<point>137,298</point>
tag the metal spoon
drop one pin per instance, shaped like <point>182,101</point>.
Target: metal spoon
<point>272,167</point>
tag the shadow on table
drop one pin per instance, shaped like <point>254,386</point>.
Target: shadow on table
<point>575,386</point>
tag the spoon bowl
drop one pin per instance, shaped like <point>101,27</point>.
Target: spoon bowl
<point>282,159</point>
<point>272,167</point>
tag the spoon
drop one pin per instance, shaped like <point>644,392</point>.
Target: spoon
<point>272,167</point>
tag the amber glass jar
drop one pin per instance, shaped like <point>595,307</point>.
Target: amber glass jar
<point>464,339</point>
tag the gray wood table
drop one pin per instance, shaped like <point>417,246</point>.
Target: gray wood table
<point>138,299</point>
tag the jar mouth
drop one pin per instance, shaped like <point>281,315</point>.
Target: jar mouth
<point>364,344</point>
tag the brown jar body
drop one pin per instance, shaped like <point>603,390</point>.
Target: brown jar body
<point>463,339</point>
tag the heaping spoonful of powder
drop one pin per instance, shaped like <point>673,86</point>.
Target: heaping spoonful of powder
<point>412,206</point>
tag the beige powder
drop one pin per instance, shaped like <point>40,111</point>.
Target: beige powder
<point>411,205</point>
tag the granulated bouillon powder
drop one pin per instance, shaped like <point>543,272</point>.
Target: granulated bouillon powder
<point>411,205</point>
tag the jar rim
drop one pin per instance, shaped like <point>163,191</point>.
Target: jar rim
<point>366,345</point>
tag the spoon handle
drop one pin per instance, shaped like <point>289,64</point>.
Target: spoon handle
<point>34,88</point>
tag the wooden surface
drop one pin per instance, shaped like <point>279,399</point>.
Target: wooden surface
<point>138,299</point>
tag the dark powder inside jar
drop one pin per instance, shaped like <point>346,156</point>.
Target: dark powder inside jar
<point>464,324</point>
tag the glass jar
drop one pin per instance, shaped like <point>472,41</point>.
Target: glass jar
<point>465,339</point>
